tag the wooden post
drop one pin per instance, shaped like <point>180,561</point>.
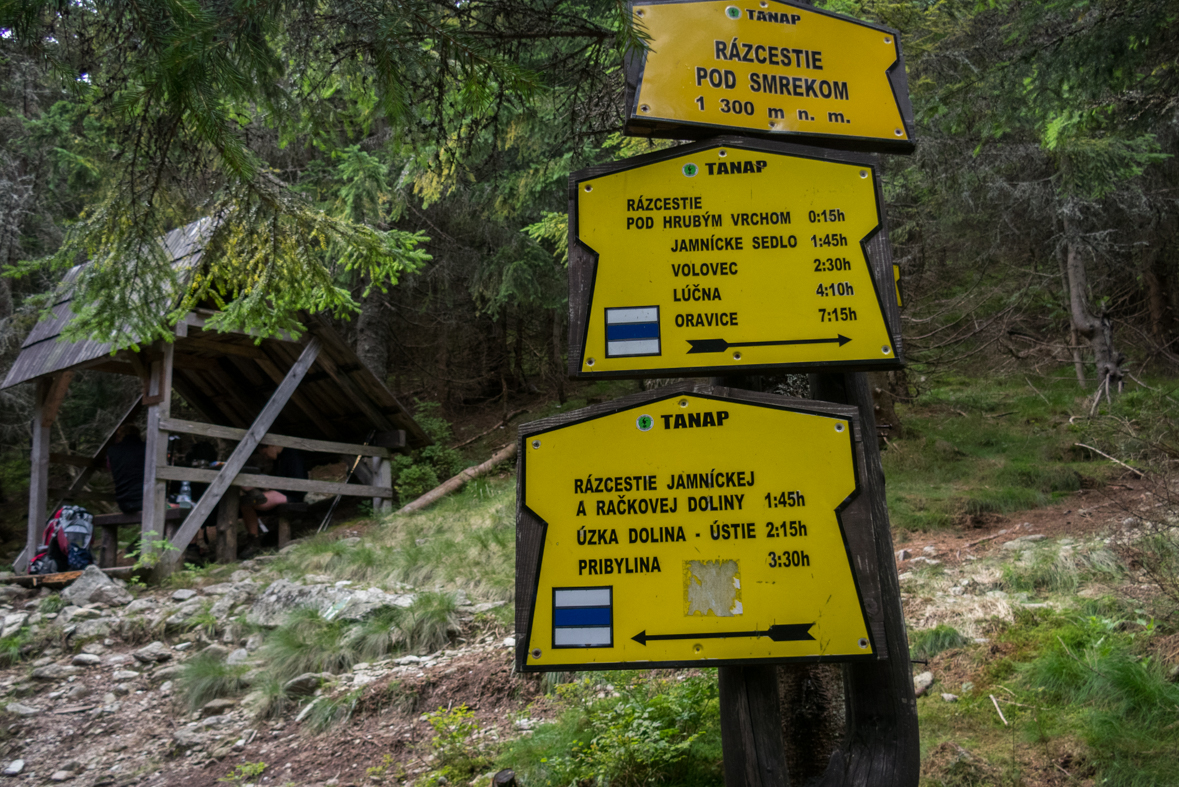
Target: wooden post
<point>284,530</point>
<point>158,398</point>
<point>237,460</point>
<point>38,474</point>
<point>227,512</point>
<point>383,476</point>
<point>882,744</point>
<point>751,735</point>
<point>108,553</point>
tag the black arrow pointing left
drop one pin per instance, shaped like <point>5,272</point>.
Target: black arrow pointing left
<point>784,632</point>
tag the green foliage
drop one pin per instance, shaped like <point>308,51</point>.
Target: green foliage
<point>12,645</point>
<point>924,644</point>
<point>458,758</point>
<point>150,550</point>
<point>647,730</point>
<point>244,772</point>
<point>206,676</point>
<point>308,642</point>
<point>422,470</point>
<point>54,602</point>
<point>426,624</point>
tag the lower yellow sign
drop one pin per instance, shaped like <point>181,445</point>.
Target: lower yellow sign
<point>689,529</point>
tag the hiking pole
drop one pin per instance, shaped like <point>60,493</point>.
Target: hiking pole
<point>328,517</point>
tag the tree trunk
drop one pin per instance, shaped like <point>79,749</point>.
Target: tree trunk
<point>558,363</point>
<point>1097,329</point>
<point>372,333</point>
<point>813,717</point>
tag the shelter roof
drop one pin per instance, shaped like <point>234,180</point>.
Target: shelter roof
<point>229,377</point>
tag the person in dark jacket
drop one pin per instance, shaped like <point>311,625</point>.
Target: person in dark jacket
<point>286,463</point>
<point>125,459</point>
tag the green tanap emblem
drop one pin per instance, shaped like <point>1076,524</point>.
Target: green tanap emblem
<point>690,170</point>
<point>644,423</point>
<point>733,12</point>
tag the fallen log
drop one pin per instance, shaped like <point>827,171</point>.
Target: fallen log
<point>456,483</point>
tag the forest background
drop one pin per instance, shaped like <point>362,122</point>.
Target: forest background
<point>404,167</point>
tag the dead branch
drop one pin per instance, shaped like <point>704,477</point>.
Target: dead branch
<point>456,483</point>
<point>1138,473</point>
<point>507,419</point>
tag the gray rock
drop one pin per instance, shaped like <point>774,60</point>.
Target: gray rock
<point>95,586</point>
<point>254,642</point>
<point>120,690</point>
<point>20,709</point>
<point>11,593</point>
<point>153,653</point>
<point>950,697</point>
<point>305,684</point>
<point>79,691</point>
<point>13,623</point>
<point>93,629</point>
<point>125,674</point>
<point>14,768</point>
<point>284,596</point>
<point>922,682</point>
<point>215,721</point>
<point>86,660</point>
<point>903,554</point>
<point>54,672</point>
<point>61,776</point>
<point>218,707</point>
<point>140,605</point>
<point>166,688</point>
<point>187,738</point>
<point>217,651</point>
<point>184,594</point>
<point>94,648</point>
<point>239,656</point>
<point>241,576</point>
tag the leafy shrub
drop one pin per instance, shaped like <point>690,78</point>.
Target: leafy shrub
<point>652,732</point>
<point>458,758</point>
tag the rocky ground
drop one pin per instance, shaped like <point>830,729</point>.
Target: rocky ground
<point>99,705</point>
<point>96,699</point>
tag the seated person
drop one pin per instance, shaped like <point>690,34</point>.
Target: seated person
<point>125,459</point>
<point>287,463</point>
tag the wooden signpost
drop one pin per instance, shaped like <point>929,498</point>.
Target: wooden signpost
<point>704,525</point>
<point>771,69</point>
<point>730,256</point>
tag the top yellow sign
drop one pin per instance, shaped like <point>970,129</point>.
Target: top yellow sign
<point>769,68</point>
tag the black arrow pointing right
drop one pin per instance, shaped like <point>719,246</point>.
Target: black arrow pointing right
<point>784,632</point>
<point>720,345</point>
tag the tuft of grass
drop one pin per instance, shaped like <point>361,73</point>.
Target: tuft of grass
<point>924,644</point>
<point>207,677</point>
<point>270,700</point>
<point>308,642</point>
<point>1060,570</point>
<point>327,712</point>
<point>11,648</point>
<point>378,635</point>
<point>427,624</point>
<point>52,603</point>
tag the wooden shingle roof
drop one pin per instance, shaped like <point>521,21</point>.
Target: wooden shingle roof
<point>229,377</point>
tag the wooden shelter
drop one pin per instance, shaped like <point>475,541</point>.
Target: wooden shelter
<point>310,393</point>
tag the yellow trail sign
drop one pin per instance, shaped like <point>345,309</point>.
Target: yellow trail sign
<point>689,528</point>
<point>728,255</point>
<point>770,68</point>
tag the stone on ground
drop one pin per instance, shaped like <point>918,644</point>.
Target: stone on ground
<point>94,586</point>
<point>153,653</point>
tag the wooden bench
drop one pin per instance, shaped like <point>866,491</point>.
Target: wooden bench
<point>109,523</point>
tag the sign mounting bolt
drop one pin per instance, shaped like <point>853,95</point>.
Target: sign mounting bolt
<point>536,652</point>
<point>863,643</point>
<point>536,444</point>
<point>899,133</point>
<point>736,356</point>
<point>589,361</point>
<point>589,189</point>
<point>887,39</point>
<point>644,108</point>
<point>885,349</point>
<point>839,427</point>
<point>683,402</point>
<point>863,173</point>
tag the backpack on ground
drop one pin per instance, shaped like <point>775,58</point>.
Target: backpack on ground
<point>66,543</point>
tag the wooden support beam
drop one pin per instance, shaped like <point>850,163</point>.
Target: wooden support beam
<point>751,731</point>
<point>230,433</point>
<point>227,512</point>
<point>237,460</point>
<point>378,419</point>
<point>383,476</point>
<point>55,396</point>
<point>38,475</point>
<point>158,397</point>
<point>75,460</point>
<point>221,348</point>
<point>299,400</point>
<point>259,481</point>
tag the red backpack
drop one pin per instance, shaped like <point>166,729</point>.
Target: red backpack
<point>66,543</point>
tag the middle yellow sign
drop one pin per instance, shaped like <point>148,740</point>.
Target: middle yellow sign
<point>730,254</point>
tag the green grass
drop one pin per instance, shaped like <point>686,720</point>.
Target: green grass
<point>1056,569</point>
<point>924,644</point>
<point>207,677</point>
<point>977,447</point>
<point>466,541</point>
<point>327,712</point>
